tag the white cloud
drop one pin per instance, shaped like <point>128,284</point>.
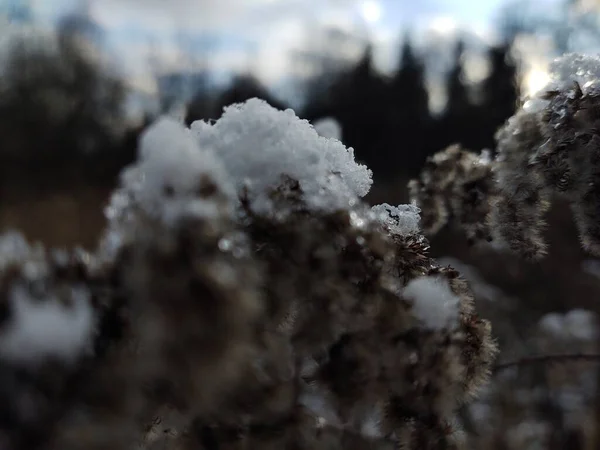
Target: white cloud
<point>262,34</point>
<point>267,30</point>
<point>206,14</point>
<point>47,329</point>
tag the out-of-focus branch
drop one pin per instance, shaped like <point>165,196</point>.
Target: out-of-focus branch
<point>546,359</point>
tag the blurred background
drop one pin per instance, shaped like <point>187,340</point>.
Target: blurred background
<point>79,80</point>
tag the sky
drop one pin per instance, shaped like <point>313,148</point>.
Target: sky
<point>267,27</point>
<point>152,36</point>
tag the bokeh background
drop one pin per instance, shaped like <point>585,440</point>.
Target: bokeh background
<point>79,81</point>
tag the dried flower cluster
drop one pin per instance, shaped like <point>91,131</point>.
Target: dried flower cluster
<point>550,147</point>
<point>455,187</point>
<point>242,297</point>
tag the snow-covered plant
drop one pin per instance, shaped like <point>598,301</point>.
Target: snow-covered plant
<point>549,147</point>
<point>243,296</point>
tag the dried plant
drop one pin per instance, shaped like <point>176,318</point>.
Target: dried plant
<point>547,396</point>
<point>243,296</point>
<point>549,147</point>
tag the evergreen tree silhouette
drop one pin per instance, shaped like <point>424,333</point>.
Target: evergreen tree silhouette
<point>202,104</point>
<point>408,84</point>
<point>460,122</point>
<point>62,111</point>
<point>500,91</point>
<point>242,88</point>
<point>410,109</point>
<point>458,101</point>
<point>318,95</point>
<point>359,104</point>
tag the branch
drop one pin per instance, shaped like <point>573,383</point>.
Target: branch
<point>547,359</point>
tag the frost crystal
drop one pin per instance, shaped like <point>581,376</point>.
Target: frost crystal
<point>401,219</point>
<point>575,67</point>
<point>434,302</point>
<point>259,145</point>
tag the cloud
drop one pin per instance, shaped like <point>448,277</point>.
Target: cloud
<point>266,31</point>
<point>265,35</point>
<point>191,15</point>
<point>160,16</point>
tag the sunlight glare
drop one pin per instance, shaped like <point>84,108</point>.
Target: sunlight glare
<point>371,11</point>
<point>535,80</point>
<point>444,25</point>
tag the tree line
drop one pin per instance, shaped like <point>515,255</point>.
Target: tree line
<point>387,119</point>
<point>63,113</point>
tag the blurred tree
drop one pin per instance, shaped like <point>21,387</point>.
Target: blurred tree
<point>458,101</point>
<point>191,88</point>
<point>500,92</point>
<point>474,125</point>
<point>202,104</point>
<point>360,102</point>
<point>318,95</point>
<point>242,88</point>
<point>60,108</point>
<point>459,117</point>
<point>409,109</point>
<point>408,84</point>
<point>192,84</point>
<point>326,58</point>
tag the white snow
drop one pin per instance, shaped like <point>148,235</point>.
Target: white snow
<point>258,144</point>
<point>14,248</point>
<point>41,329</point>
<point>575,67</point>
<point>402,219</point>
<point>434,303</point>
<point>329,128</point>
<point>164,183</point>
<point>564,71</point>
<point>252,145</point>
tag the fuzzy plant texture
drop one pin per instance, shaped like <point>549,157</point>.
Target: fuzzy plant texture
<point>550,147</point>
<point>243,296</point>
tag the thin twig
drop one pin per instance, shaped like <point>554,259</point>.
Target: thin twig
<point>545,359</point>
